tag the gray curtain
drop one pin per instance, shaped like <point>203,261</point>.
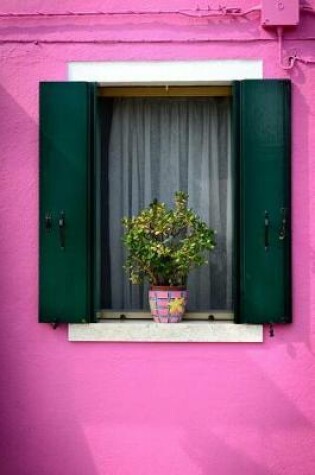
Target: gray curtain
<point>156,147</point>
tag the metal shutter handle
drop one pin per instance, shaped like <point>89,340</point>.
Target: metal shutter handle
<point>283,227</point>
<point>267,228</point>
<point>62,224</point>
<point>48,221</point>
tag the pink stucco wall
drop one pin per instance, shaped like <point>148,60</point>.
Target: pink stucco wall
<point>140,409</point>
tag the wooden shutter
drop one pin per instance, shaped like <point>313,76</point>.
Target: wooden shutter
<point>67,205</point>
<point>263,241</point>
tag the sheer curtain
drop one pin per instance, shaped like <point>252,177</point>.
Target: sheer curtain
<point>156,147</point>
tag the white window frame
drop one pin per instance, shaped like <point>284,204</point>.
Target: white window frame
<point>166,73</point>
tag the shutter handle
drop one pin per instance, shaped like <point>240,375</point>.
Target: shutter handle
<point>62,224</point>
<point>267,227</point>
<point>48,221</point>
<point>283,228</point>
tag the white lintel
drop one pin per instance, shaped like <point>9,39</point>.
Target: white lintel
<point>118,73</point>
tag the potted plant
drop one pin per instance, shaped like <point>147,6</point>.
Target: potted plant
<point>163,246</point>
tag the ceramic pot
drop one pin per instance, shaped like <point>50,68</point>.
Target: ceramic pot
<point>167,304</point>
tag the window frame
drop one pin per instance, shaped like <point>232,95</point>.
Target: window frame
<point>110,92</point>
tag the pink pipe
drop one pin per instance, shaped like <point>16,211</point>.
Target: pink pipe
<point>198,13</point>
<point>291,59</point>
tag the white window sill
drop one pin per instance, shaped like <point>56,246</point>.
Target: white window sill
<point>148,331</point>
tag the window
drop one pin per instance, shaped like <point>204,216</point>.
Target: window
<point>70,218</point>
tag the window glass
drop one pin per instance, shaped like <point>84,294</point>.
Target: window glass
<point>153,147</point>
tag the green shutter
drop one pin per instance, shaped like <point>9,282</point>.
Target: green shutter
<point>67,176</point>
<point>262,114</point>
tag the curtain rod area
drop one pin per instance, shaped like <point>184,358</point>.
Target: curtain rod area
<point>165,91</point>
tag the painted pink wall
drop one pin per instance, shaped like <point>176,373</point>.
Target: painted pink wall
<point>140,409</point>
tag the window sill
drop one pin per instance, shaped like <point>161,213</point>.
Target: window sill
<point>148,331</point>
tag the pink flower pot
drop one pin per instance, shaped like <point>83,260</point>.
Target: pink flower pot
<point>167,304</point>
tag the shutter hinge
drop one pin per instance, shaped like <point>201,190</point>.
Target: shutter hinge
<point>271,330</point>
<point>55,324</point>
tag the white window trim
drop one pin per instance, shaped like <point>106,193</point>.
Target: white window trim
<point>179,73</point>
<point>202,332</point>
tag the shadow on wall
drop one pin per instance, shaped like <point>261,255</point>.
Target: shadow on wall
<point>303,261</point>
<point>40,432</point>
<point>198,410</point>
<point>212,451</point>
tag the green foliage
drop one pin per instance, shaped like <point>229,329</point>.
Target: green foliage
<point>165,244</point>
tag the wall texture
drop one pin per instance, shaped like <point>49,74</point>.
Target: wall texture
<point>139,409</point>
